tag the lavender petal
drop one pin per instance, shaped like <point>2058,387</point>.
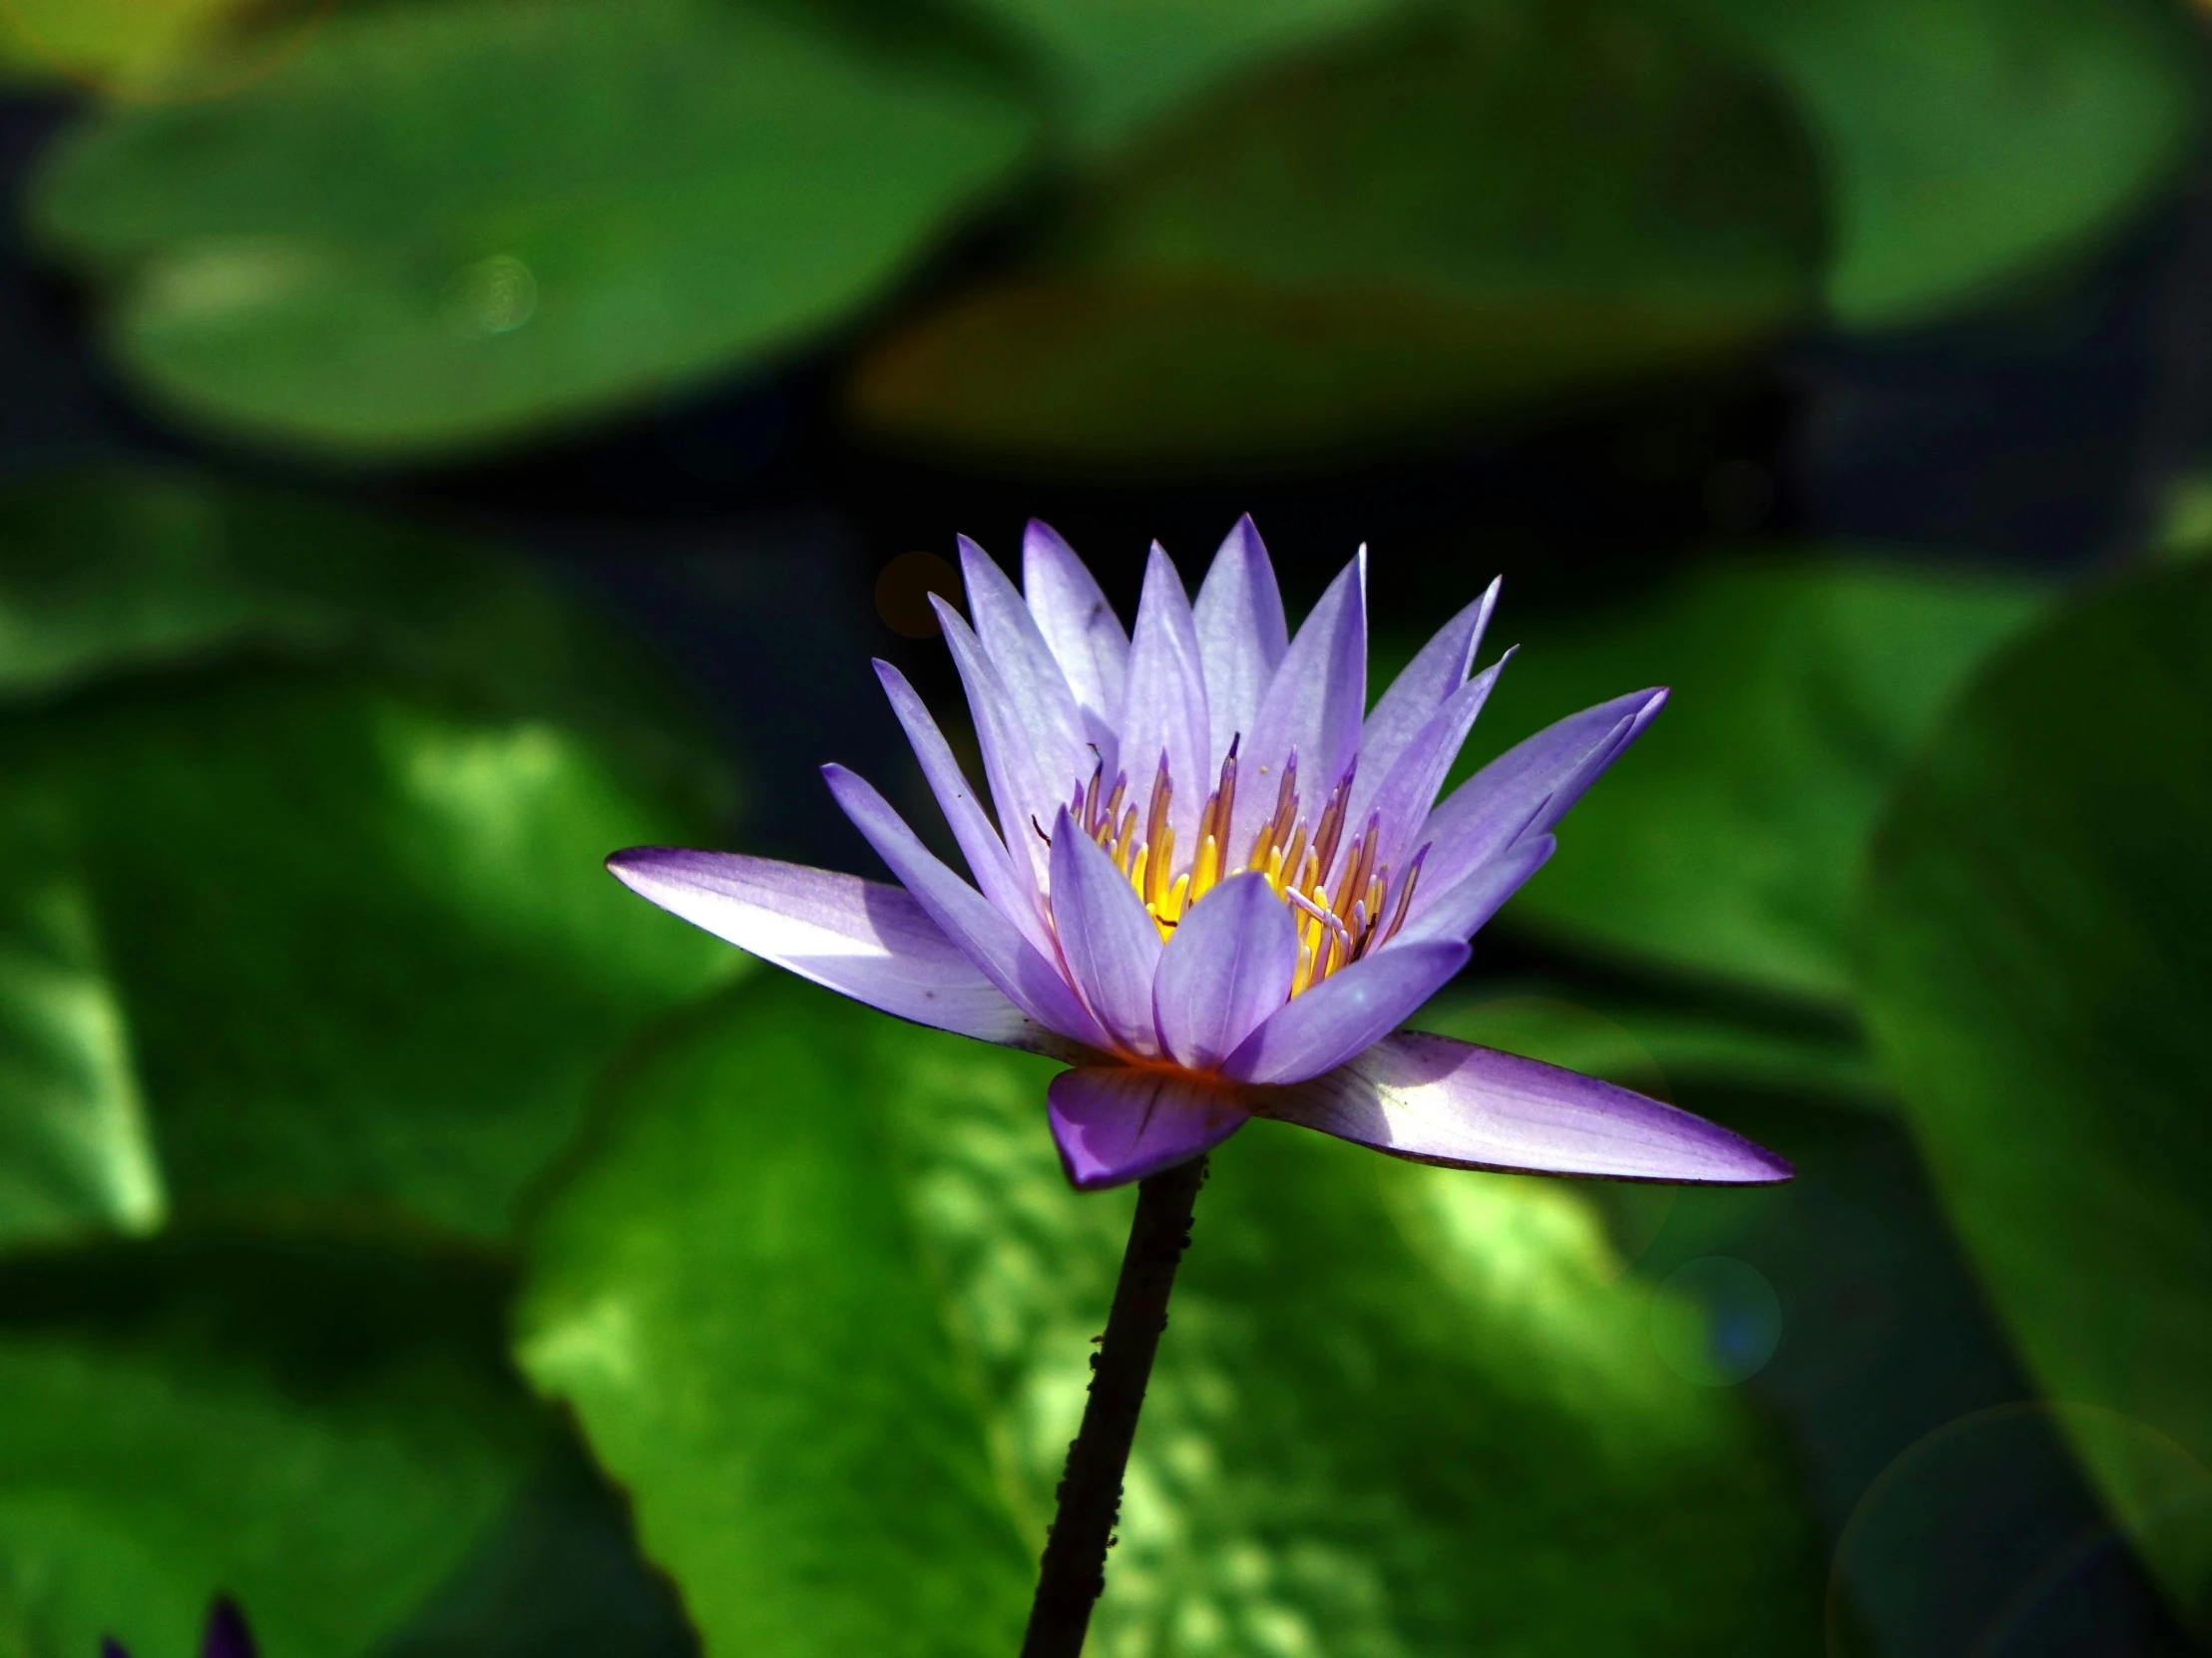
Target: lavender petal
<point>1082,629</point>
<point>1437,1100</point>
<point>1117,1123</point>
<point>1037,690</point>
<point>1241,633</point>
<point>1441,668</point>
<point>1461,909</point>
<point>1228,967</point>
<point>984,936</point>
<point>1345,1013</point>
<point>858,938</point>
<point>1529,788</point>
<point>1402,802</point>
<point>227,1635</point>
<point>1106,937</point>
<point>1165,710</point>
<point>1025,793</point>
<point>1312,708</point>
<point>1010,886</point>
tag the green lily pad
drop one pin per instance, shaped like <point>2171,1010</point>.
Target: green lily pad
<point>366,957</point>
<point>1116,65</point>
<point>1725,845</point>
<point>1441,219</point>
<point>1972,143</point>
<point>451,224</point>
<point>1656,1046</point>
<point>118,570</point>
<point>2035,974</point>
<point>76,1150</point>
<point>821,1300</point>
<point>323,1439</point>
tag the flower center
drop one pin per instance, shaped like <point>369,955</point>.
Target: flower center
<point>1339,902</point>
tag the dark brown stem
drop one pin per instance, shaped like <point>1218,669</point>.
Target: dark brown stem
<point>1073,1570</point>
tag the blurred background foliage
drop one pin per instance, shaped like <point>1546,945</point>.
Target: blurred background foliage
<point>442,440</point>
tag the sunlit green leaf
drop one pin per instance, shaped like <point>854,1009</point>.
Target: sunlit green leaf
<point>1441,219</point>
<point>1972,140</point>
<point>323,1439</point>
<point>2037,963</point>
<point>1725,844</point>
<point>822,1301</point>
<point>453,223</point>
<point>367,958</point>
<point>76,1150</point>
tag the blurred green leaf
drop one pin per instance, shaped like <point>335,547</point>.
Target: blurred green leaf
<point>822,1300</point>
<point>1726,843</point>
<point>1439,219</point>
<point>448,223</point>
<point>2037,966</point>
<point>324,1439</point>
<point>146,49</point>
<point>76,1151</point>
<point>368,959</point>
<point>1972,140</point>
<point>1116,65</point>
<point>129,569</point>
<point>1656,1046</point>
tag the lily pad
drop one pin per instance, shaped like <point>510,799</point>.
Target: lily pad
<point>821,1300</point>
<point>1726,844</point>
<point>2035,974</point>
<point>76,1150</point>
<point>324,1439</point>
<point>1972,143</point>
<point>366,957</point>
<point>1114,65</point>
<point>1657,1047</point>
<point>451,224</point>
<point>1442,219</point>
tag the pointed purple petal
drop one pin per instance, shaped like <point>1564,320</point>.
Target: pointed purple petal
<point>858,938</point>
<point>227,1635</point>
<point>1039,697</point>
<point>1419,690</point>
<point>1345,1013</point>
<point>1443,1101</point>
<point>1117,1123</point>
<point>1312,708</point>
<point>1461,911</point>
<point>1529,788</point>
<point>1402,802</point>
<point>1166,711</point>
<point>1011,889</point>
<point>1025,793</point>
<point>110,1647</point>
<point>1108,940</point>
<point>1227,967</point>
<point>1241,633</point>
<point>984,936</point>
<point>1080,627</point>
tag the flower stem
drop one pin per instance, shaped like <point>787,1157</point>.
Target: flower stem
<point>1073,1569</point>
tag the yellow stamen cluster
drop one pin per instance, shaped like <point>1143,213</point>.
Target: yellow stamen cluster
<point>1338,922</point>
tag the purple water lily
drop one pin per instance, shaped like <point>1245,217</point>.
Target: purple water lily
<point>225,1635</point>
<point>1217,884</point>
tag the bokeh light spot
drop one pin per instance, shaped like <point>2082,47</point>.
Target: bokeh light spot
<point>492,296</point>
<point>903,590</point>
<point>1716,1321</point>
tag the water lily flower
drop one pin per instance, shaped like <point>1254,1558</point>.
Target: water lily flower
<point>225,1637</point>
<point>1218,882</point>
